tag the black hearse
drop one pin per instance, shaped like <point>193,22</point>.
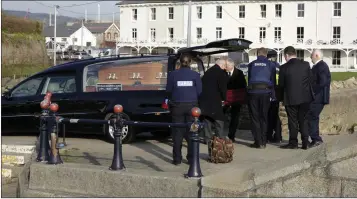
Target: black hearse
<point>90,88</point>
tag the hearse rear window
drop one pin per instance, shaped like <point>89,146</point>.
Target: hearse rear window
<point>126,75</point>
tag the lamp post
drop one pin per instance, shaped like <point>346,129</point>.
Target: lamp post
<point>55,35</point>
<point>189,23</point>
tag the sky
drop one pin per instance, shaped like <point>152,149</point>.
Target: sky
<point>67,8</point>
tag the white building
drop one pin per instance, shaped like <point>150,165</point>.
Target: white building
<point>68,35</point>
<point>162,27</point>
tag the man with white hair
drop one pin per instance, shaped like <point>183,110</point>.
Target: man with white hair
<point>321,87</point>
<point>214,88</point>
<point>236,82</point>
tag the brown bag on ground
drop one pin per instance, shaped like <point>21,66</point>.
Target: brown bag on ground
<point>220,150</point>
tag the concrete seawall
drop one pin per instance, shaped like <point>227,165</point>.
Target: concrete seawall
<point>329,170</point>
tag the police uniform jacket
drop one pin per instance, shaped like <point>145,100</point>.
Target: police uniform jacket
<point>214,88</point>
<point>261,76</point>
<point>184,85</point>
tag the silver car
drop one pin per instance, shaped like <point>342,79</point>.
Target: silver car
<point>80,55</point>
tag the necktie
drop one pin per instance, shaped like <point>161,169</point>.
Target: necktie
<point>229,74</point>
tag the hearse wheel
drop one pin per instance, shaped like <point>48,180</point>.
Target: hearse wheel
<point>128,134</point>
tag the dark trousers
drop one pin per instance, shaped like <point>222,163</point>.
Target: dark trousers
<point>234,121</point>
<point>259,107</point>
<point>297,121</point>
<point>213,127</point>
<point>314,120</point>
<point>181,113</point>
<point>274,122</point>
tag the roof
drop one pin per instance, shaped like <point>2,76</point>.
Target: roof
<point>128,2</point>
<point>94,27</point>
<point>61,31</point>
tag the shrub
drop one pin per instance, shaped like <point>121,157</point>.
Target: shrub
<point>12,24</point>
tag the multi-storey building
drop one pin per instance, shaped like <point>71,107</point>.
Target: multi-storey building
<point>327,25</point>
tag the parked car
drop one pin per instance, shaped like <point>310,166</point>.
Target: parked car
<point>80,55</point>
<point>89,89</point>
<point>65,55</point>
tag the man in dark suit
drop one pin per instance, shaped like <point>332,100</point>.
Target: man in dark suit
<point>295,84</point>
<point>321,87</point>
<point>236,81</point>
<point>214,88</point>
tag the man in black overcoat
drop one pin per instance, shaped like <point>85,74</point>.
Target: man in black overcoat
<point>214,88</point>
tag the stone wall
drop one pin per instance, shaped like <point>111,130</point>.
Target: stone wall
<point>340,115</point>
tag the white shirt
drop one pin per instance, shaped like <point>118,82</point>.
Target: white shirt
<point>230,73</point>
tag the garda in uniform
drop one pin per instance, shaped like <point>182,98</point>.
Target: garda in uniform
<point>184,87</point>
<point>261,83</point>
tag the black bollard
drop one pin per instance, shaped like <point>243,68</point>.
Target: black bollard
<point>55,157</point>
<point>194,170</point>
<point>118,163</point>
<point>43,151</point>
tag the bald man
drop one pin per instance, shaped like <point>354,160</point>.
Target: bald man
<point>321,87</point>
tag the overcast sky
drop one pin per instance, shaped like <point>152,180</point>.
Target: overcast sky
<point>69,8</point>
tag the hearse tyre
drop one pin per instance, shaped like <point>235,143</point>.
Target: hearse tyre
<point>128,133</point>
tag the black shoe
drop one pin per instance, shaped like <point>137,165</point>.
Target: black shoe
<point>289,146</point>
<point>315,143</point>
<point>231,138</point>
<point>305,146</point>
<point>254,145</point>
<point>176,162</point>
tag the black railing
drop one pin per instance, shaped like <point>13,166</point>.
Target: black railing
<point>49,134</point>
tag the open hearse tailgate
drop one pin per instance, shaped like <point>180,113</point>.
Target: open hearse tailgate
<point>216,47</point>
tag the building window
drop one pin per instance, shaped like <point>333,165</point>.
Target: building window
<point>336,58</point>
<point>134,34</point>
<point>242,11</point>
<point>171,33</point>
<point>219,33</point>
<point>199,12</point>
<point>337,9</point>
<point>135,14</point>
<point>336,34</point>
<point>88,44</point>
<point>171,12</point>
<point>153,14</point>
<point>115,35</point>
<point>219,12</point>
<point>153,34</point>
<point>301,10</point>
<point>300,54</point>
<point>64,39</point>
<point>277,34</point>
<point>263,11</point>
<point>278,10</point>
<point>300,34</point>
<point>199,33</point>
<point>241,32</point>
<point>262,34</point>
<point>109,36</point>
